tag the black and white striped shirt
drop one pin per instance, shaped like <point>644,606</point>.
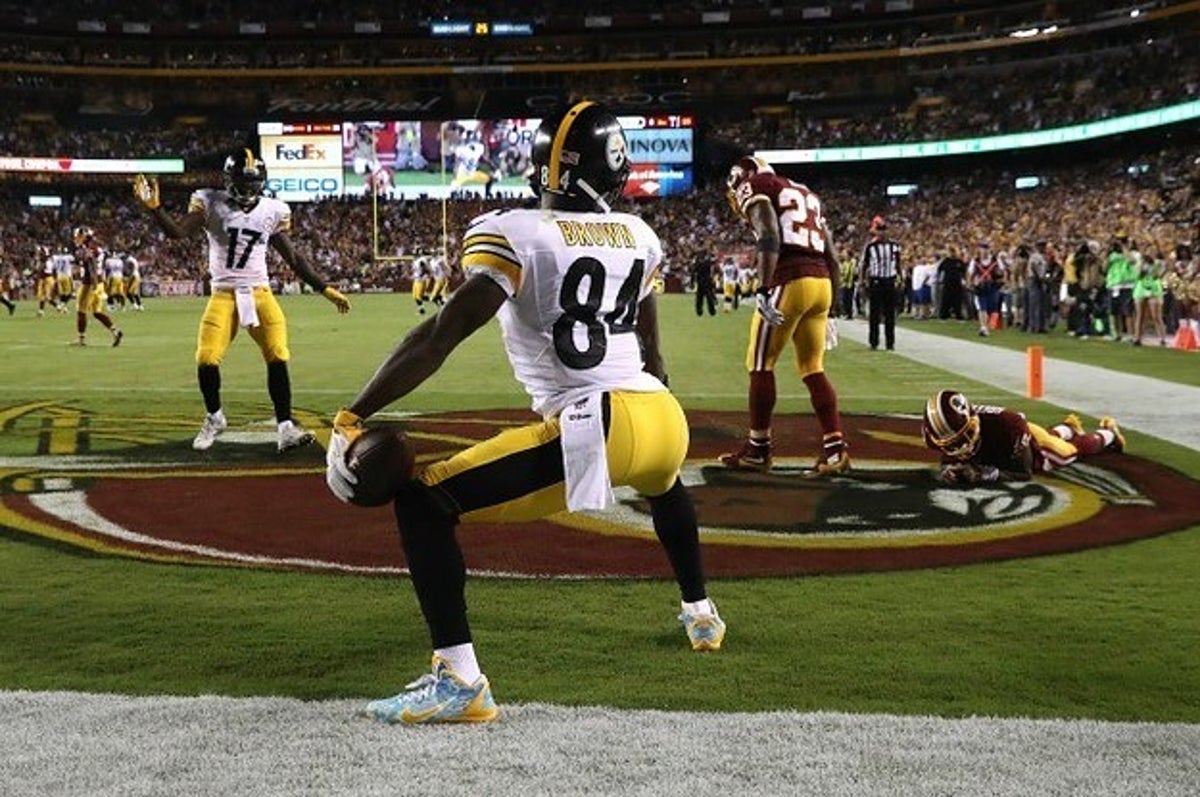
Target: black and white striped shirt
<point>881,259</point>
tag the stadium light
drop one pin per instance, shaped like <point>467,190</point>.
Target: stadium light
<point>1071,134</point>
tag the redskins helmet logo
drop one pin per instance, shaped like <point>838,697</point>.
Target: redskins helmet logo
<point>951,425</point>
<point>737,184</point>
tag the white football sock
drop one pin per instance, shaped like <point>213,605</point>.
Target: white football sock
<point>1107,436</point>
<point>702,606</point>
<point>462,661</point>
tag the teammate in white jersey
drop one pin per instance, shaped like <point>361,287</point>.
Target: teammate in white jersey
<point>241,223</point>
<point>133,282</point>
<point>47,283</point>
<point>439,277</point>
<point>64,270</point>
<point>729,284</point>
<point>114,279</point>
<point>421,282</point>
<point>570,283</point>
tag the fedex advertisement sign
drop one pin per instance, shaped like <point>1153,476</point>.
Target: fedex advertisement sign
<point>303,151</point>
<point>299,152</point>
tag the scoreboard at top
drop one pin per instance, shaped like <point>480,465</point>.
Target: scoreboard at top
<point>308,161</point>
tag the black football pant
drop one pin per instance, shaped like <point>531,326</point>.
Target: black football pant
<point>883,308</point>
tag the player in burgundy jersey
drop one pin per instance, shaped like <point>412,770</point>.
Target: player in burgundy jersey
<point>91,297</point>
<point>799,275</point>
<point>981,443</point>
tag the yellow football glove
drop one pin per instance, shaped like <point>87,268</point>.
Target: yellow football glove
<point>347,424</point>
<point>340,479</point>
<point>146,190</point>
<point>339,300</point>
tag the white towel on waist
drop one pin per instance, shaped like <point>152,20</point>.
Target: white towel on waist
<point>247,313</point>
<point>585,461</point>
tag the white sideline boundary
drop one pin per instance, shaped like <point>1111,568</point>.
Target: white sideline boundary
<point>1167,410</point>
<point>62,744</point>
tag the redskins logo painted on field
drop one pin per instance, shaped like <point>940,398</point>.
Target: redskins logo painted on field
<point>89,481</point>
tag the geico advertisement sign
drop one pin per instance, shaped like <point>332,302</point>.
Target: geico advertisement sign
<point>305,186</point>
<point>659,145</point>
<point>301,152</point>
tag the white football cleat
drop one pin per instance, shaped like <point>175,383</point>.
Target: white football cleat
<point>292,435</point>
<point>214,424</point>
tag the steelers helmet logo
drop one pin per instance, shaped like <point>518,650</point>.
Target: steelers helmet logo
<point>614,151</point>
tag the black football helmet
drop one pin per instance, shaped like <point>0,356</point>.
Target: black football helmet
<point>951,425</point>
<point>580,159</point>
<point>245,176</point>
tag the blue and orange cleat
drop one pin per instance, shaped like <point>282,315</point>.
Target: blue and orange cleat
<point>436,697</point>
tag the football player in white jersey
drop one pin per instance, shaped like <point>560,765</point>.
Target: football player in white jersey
<point>439,278</point>
<point>64,270</point>
<point>133,282</point>
<point>570,284</point>
<point>47,284</point>
<point>241,223</point>
<point>729,284</point>
<point>420,281</point>
<point>114,279</point>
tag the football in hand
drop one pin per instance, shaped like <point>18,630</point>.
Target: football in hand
<point>383,459</point>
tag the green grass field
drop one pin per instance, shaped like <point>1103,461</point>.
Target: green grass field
<point>1110,633</point>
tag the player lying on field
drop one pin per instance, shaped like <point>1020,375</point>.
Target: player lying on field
<point>980,443</point>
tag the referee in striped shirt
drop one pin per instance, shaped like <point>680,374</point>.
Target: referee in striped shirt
<point>878,270</point>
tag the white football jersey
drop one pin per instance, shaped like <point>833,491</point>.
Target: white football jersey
<point>114,266</point>
<point>238,239</point>
<point>729,272</point>
<point>64,264</point>
<point>574,282</point>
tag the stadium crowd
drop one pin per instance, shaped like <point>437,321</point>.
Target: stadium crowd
<point>925,82</point>
<point>1076,215</point>
<point>1074,220</point>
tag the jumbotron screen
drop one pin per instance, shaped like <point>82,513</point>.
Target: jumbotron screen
<point>454,158</point>
<point>660,154</point>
